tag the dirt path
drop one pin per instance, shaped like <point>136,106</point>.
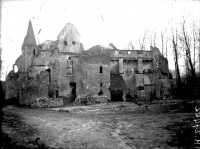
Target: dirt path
<point>123,126</point>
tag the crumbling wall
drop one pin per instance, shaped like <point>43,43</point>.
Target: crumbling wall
<point>12,86</point>
<point>63,78</point>
<point>19,63</point>
<point>117,87</point>
<point>27,56</point>
<point>93,80</point>
<point>160,62</point>
<point>33,87</point>
<point>93,71</point>
<point>131,83</point>
<point>69,39</point>
<point>47,102</point>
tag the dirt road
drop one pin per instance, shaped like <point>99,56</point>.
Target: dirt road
<point>122,125</point>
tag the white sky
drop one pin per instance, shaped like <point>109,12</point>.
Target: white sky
<point>124,21</point>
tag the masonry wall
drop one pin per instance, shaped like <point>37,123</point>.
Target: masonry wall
<point>69,39</point>
<point>27,54</point>
<point>92,77</point>
<point>32,88</point>
<point>12,85</point>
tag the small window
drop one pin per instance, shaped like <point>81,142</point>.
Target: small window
<point>129,52</point>
<point>65,43</point>
<point>34,52</point>
<point>101,84</point>
<point>73,42</point>
<point>69,70</point>
<point>101,69</point>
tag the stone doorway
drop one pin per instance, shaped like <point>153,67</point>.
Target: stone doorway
<point>73,90</point>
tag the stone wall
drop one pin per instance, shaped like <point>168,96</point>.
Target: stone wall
<point>95,75</point>
<point>19,63</point>
<point>28,54</point>
<point>33,87</point>
<point>68,39</point>
<point>12,85</point>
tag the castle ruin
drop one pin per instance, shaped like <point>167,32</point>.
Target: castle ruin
<point>63,69</point>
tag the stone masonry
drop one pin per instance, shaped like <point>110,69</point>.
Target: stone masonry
<point>61,69</point>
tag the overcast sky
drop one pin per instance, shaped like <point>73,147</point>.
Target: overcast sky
<point>98,21</point>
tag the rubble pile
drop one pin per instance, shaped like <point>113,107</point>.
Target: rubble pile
<point>90,99</point>
<point>47,102</point>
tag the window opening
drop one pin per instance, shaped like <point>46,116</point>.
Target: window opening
<point>65,43</point>
<point>101,69</point>
<point>101,84</point>
<point>70,66</point>
<point>57,93</point>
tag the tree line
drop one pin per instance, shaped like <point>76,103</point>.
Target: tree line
<point>183,42</point>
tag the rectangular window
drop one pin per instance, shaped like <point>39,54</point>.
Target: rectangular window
<point>101,69</point>
<point>69,71</point>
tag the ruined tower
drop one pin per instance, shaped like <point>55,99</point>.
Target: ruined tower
<point>29,48</point>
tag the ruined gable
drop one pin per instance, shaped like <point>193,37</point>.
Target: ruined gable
<point>69,39</point>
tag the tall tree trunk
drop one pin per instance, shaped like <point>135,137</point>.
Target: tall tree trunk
<point>162,38</point>
<point>177,68</point>
<point>199,52</point>
<point>194,44</point>
<point>188,54</point>
<point>175,50</point>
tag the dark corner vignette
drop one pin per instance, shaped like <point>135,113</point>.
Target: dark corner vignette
<point>2,99</point>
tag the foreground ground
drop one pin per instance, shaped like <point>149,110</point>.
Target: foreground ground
<point>162,125</point>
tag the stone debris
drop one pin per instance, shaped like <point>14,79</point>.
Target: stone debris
<point>90,100</point>
<point>47,102</point>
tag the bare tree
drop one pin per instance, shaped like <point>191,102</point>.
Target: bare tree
<point>166,48</point>
<point>195,40</point>
<point>152,38</point>
<point>186,42</point>
<point>199,51</point>
<point>162,40</point>
<point>176,57</point>
<point>143,42</point>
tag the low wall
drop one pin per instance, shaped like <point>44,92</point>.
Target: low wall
<point>47,102</point>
